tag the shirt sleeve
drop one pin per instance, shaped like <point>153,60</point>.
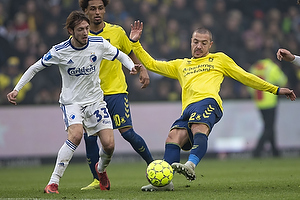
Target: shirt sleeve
<point>125,60</point>
<point>234,71</point>
<point>296,61</point>
<point>164,68</point>
<point>110,52</point>
<point>50,58</point>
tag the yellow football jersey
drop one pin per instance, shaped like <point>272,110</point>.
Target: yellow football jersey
<point>202,77</point>
<point>111,73</point>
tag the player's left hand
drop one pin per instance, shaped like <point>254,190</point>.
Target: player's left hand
<point>288,93</point>
<point>136,30</point>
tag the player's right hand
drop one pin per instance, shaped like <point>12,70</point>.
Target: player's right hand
<point>12,97</point>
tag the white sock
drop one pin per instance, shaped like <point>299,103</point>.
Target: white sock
<point>104,160</point>
<point>64,156</point>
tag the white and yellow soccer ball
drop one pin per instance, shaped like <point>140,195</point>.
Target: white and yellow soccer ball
<point>159,173</point>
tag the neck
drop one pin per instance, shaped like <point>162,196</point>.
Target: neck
<point>97,27</point>
<point>76,43</point>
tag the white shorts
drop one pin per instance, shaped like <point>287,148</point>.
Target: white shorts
<point>93,117</point>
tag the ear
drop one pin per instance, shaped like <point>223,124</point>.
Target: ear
<point>211,43</point>
<point>70,31</point>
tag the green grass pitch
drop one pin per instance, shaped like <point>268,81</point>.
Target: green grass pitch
<point>216,179</point>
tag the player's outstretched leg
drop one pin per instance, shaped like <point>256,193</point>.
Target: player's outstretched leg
<point>186,169</point>
<point>151,188</point>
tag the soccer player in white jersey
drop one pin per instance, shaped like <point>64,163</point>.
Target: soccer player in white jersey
<point>114,86</point>
<point>200,78</point>
<point>81,98</point>
<point>286,55</point>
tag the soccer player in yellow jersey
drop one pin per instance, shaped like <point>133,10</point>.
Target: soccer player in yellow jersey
<point>200,78</point>
<point>114,86</point>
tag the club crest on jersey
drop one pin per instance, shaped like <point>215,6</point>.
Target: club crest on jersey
<point>82,71</point>
<point>93,58</point>
<point>72,116</point>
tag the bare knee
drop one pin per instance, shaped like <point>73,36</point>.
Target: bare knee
<point>109,149</point>
<point>75,133</point>
<point>107,140</point>
<point>177,136</point>
<point>200,128</point>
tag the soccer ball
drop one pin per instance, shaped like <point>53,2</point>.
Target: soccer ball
<point>159,173</point>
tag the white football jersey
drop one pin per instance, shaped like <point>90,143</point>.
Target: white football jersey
<point>79,69</point>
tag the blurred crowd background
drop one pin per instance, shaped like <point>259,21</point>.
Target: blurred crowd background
<point>246,30</point>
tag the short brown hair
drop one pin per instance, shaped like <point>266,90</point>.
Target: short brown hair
<point>203,30</point>
<point>75,18</point>
<point>84,4</point>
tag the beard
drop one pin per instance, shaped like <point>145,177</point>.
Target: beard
<point>97,23</point>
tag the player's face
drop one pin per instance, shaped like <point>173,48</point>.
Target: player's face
<point>200,44</point>
<point>95,11</point>
<point>80,34</point>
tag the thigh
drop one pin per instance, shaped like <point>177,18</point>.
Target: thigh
<point>119,110</point>
<point>96,118</point>
<point>71,114</point>
<point>206,112</point>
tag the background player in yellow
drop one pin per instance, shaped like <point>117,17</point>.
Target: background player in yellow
<point>266,102</point>
<point>200,78</point>
<point>114,86</point>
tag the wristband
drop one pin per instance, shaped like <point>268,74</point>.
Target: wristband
<point>132,40</point>
<point>278,90</point>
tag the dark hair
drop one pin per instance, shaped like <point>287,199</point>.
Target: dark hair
<point>75,18</point>
<point>84,4</point>
<point>203,30</point>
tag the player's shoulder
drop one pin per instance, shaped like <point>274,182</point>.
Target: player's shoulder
<point>113,27</point>
<point>220,54</point>
<point>95,39</point>
<point>62,46</point>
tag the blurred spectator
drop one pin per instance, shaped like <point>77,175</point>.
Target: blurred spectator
<point>267,103</point>
<point>255,33</point>
<point>181,12</point>
<point>232,36</point>
<point>118,13</point>
<point>9,78</point>
<point>5,50</point>
<point>219,11</point>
